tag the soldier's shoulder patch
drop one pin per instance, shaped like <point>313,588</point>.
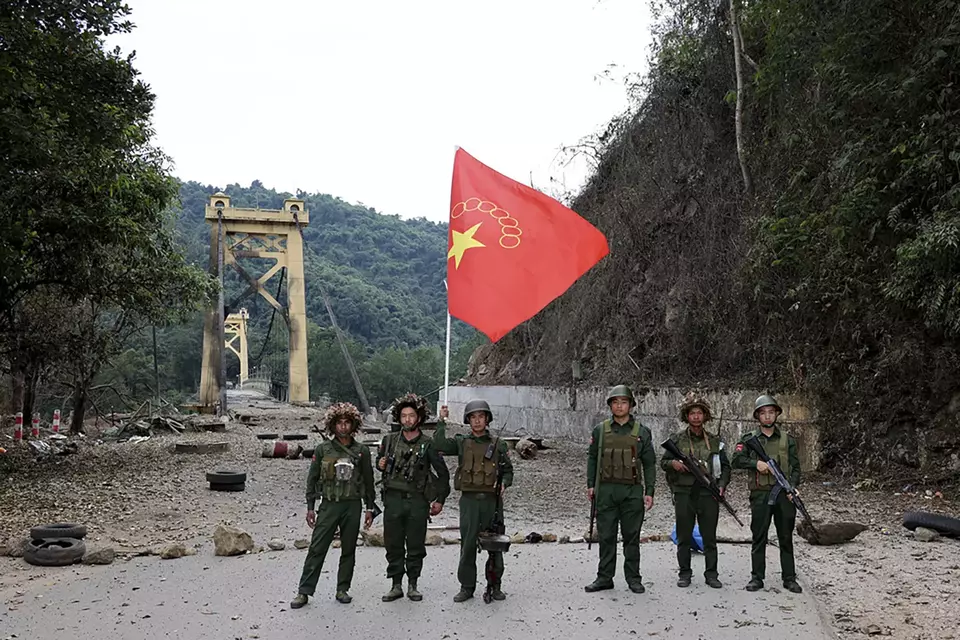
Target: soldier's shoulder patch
<point>739,446</point>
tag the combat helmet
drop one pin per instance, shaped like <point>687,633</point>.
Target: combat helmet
<point>621,390</point>
<point>417,403</point>
<point>341,410</point>
<point>694,399</point>
<point>765,401</point>
<point>477,405</point>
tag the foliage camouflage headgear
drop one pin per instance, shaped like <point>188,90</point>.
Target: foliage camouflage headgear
<point>341,410</point>
<point>694,399</point>
<point>418,403</point>
<point>765,401</point>
<point>621,390</point>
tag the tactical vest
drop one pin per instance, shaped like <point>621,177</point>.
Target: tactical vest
<point>700,451</point>
<point>411,467</point>
<point>779,451</point>
<point>618,454</point>
<point>476,473</point>
<point>337,490</point>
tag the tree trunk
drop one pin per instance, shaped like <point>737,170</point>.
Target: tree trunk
<point>738,118</point>
<point>30,379</point>
<point>16,395</point>
<point>79,406</point>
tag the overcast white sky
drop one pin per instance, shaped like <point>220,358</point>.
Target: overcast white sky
<point>366,100</point>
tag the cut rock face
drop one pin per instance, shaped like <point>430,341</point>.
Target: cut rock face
<point>231,541</point>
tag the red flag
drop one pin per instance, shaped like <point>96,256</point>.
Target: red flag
<point>511,248</point>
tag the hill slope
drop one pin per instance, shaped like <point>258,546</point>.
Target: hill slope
<point>838,276</point>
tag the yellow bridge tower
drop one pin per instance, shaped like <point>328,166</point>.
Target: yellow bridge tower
<point>255,233</point>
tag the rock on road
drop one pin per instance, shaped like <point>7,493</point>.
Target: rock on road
<point>248,597</point>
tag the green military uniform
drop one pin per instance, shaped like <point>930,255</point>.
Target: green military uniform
<point>340,507</point>
<point>407,494</point>
<point>693,503</point>
<point>619,498</point>
<point>782,447</point>
<point>475,478</point>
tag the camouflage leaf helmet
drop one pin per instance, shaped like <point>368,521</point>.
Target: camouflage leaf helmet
<point>765,401</point>
<point>695,399</point>
<point>418,403</point>
<point>477,405</point>
<point>341,410</point>
<point>621,390</point>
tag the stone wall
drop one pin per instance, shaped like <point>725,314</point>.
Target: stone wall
<point>571,413</point>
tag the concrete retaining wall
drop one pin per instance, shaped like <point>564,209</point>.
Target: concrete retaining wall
<point>571,413</point>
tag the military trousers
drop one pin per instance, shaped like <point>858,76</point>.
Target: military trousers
<point>404,531</point>
<point>331,516</point>
<point>784,516</point>
<point>619,505</point>
<point>696,506</point>
<point>477,511</point>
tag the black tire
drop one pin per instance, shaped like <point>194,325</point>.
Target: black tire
<point>268,436</point>
<point>226,477</point>
<point>59,530</point>
<point>308,453</point>
<point>54,552</point>
<point>295,436</point>
<point>945,525</point>
<point>216,486</point>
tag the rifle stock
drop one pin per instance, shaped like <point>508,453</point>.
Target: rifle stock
<point>701,478</point>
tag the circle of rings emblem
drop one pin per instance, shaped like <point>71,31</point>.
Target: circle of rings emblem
<point>510,231</point>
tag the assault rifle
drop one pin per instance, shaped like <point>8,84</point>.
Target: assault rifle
<point>494,539</point>
<point>694,467</point>
<point>782,483</point>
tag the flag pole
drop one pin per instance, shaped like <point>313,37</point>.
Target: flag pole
<point>446,368</point>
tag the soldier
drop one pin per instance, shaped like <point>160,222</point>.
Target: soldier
<point>481,458</point>
<point>622,497</point>
<point>411,494</point>
<point>692,502</point>
<point>782,447</point>
<point>341,475</point>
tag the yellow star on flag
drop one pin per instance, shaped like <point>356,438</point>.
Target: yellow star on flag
<point>462,242</point>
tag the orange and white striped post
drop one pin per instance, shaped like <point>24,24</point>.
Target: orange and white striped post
<point>18,428</point>
<point>56,420</point>
<point>35,427</point>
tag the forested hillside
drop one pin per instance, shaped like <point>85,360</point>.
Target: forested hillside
<point>814,248</point>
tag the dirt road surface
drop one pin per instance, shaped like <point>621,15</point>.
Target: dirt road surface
<point>137,497</point>
<point>247,597</point>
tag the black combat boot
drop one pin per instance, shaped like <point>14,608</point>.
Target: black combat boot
<point>598,585</point>
<point>714,582</point>
<point>792,586</point>
<point>637,587</point>
<point>683,581</point>
<point>497,594</point>
<point>343,597</point>
<point>755,584</point>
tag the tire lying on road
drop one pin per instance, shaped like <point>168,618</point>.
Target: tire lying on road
<point>944,525</point>
<point>226,477</point>
<point>59,530</point>
<point>227,480</point>
<point>216,486</point>
<point>54,552</point>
